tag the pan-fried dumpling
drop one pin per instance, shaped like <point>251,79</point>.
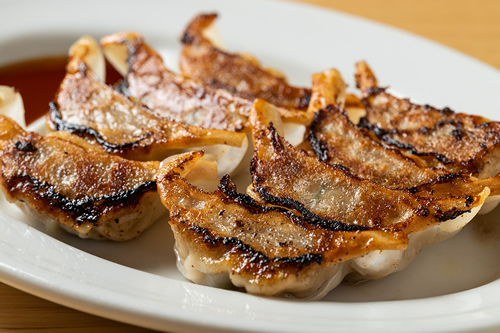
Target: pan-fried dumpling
<point>336,140</point>
<point>225,238</point>
<point>455,141</point>
<point>85,106</point>
<point>183,99</point>
<point>287,177</point>
<point>64,178</point>
<point>172,96</point>
<point>241,74</point>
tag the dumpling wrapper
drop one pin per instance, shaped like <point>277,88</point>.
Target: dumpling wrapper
<point>173,96</point>
<point>181,98</point>
<point>458,142</point>
<point>285,176</point>
<point>63,178</point>
<point>336,140</point>
<point>84,105</point>
<point>225,238</point>
<point>242,75</point>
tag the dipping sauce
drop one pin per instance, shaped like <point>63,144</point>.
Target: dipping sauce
<point>38,80</point>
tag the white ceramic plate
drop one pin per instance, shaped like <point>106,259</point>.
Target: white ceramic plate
<point>453,286</point>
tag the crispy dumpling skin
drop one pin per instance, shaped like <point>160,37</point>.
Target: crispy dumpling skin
<point>388,111</point>
<point>336,140</point>
<point>242,75</point>
<point>64,178</point>
<point>172,96</point>
<point>443,138</point>
<point>176,97</point>
<point>285,176</point>
<point>460,185</point>
<point>225,236</point>
<point>85,106</point>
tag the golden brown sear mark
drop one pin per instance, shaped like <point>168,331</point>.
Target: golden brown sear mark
<point>241,74</point>
<point>80,186</point>
<point>89,108</point>
<point>267,250</point>
<point>172,96</point>
<point>442,138</point>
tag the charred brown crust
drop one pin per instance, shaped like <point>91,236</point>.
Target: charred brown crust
<point>373,91</point>
<point>307,217</point>
<point>227,187</point>
<point>85,131</point>
<point>319,147</point>
<point>471,165</point>
<point>257,257</point>
<point>310,217</point>
<point>442,138</point>
<point>318,138</point>
<point>225,70</point>
<point>441,179</point>
<point>81,210</point>
<point>188,37</point>
<point>386,136</point>
<point>25,146</point>
<point>278,146</point>
<point>451,214</point>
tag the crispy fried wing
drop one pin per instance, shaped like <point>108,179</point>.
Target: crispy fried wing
<point>455,141</point>
<point>86,190</point>
<point>241,75</point>
<point>87,107</point>
<point>225,236</point>
<point>172,96</point>
<point>285,176</point>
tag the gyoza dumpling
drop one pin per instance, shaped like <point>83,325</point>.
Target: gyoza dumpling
<point>172,96</point>
<point>455,141</point>
<point>336,140</point>
<point>181,98</point>
<point>84,105</point>
<point>241,74</point>
<point>62,177</point>
<point>287,177</point>
<point>225,238</point>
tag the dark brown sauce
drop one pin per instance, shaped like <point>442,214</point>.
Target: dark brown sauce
<point>38,80</point>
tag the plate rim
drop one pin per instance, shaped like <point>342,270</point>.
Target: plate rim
<point>23,280</point>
